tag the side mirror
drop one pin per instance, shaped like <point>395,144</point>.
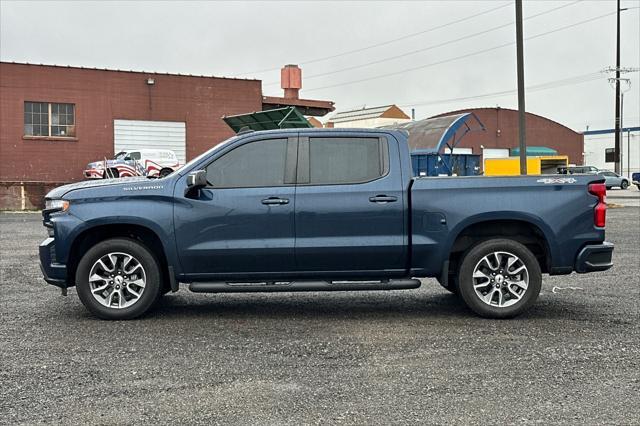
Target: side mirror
<point>195,181</point>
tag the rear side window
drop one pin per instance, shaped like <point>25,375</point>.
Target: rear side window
<point>346,160</point>
<point>254,164</point>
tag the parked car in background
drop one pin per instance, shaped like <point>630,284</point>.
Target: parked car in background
<point>571,170</point>
<point>143,162</point>
<point>612,179</point>
<point>635,178</point>
<point>320,210</point>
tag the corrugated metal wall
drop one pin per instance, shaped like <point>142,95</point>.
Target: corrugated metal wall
<point>130,135</point>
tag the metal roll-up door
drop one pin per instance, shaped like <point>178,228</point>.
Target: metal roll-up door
<point>131,135</point>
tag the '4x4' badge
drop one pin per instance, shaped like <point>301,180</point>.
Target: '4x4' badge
<point>556,180</point>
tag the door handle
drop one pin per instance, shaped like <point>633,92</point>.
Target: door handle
<point>383,199</point>
<point>275,201</point>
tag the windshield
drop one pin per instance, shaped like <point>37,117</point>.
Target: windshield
<point>120,155</point>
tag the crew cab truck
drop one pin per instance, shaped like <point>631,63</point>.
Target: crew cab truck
<point>320,210</point>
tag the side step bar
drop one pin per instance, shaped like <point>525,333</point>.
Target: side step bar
<point>280,286</point>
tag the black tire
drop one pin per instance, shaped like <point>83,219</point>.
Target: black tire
<point>165,172</point>
<point>624,184</point>
<point>110,173</point>
<point>152,290</point>
<point>466,281</point>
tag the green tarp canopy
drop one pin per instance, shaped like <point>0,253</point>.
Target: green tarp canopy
<point>535,151</point>
<point>282,118</point>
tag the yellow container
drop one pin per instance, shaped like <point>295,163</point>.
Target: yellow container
<point>544,165</point>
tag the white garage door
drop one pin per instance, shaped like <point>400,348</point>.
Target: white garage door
<point>131,135</point>
<point>495,153</point>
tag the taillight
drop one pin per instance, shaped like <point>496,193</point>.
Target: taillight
<point>600,211</point>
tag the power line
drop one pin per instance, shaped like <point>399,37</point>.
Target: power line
<point>584,78</point>
<point>459,57</point>
<point>413,52</point>
<point>384,43</point>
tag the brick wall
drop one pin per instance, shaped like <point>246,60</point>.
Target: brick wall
<point>502,132</point>
<point>100,97</point>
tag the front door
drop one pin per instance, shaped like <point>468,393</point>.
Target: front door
<point>241,224</point>
<point>349,215</point>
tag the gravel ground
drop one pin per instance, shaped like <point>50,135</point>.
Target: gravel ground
<point>414,356</point>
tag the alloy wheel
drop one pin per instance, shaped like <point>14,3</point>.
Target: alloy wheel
<point>500,279</point>
<point>117,280</point>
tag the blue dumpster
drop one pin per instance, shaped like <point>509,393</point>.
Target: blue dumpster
<point>433,164</point>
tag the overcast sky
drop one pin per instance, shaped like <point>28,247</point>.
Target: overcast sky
<point>419,69</point>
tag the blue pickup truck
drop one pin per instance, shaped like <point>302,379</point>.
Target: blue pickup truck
<point>320,210</point>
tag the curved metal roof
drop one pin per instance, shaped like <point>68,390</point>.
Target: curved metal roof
<point>433,134</point>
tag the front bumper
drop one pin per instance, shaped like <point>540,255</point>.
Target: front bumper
<point>594,257</point>
<point>53,272</point>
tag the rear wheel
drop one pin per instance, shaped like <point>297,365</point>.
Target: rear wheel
<point>118,279</point>
<point>499,278</point>
<point>165,172</point>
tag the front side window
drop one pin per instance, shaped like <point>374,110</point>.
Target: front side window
<point>49,119</point>
<point>345,160</point>
<point>255,164</point>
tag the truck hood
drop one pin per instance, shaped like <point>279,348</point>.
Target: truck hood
<point>60,191</point>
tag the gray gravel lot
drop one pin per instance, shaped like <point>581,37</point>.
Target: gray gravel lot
<point>371,357</point>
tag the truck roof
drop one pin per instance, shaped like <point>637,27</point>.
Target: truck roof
<point>320,130</point>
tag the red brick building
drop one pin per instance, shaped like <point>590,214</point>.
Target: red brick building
<point>57,119</point>
<point>501,134</point>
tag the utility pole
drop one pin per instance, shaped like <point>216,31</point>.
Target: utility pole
<point>521,107</point>
<point>619,132</point>
<point>616,150</point>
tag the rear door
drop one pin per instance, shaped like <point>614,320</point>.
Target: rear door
<point>349,205</point>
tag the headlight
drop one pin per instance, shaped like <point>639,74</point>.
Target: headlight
<point>56,205</point>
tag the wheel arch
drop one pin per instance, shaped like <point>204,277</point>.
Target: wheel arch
<point>92,235</point>
<point>523,228</point>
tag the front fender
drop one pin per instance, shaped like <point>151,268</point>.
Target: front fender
<point>153,212</point>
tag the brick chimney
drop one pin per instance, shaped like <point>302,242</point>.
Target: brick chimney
<point>291,81</point>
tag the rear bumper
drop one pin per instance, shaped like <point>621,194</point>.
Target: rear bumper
<point>54,273</point>
<point>594,257</point>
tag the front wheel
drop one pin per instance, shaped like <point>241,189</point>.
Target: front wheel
<point>624,184</point>
<point>118,279</point>
<point>499,278</point>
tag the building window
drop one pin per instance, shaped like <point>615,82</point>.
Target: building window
<point>609,155</point>
<point>48,119</point>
